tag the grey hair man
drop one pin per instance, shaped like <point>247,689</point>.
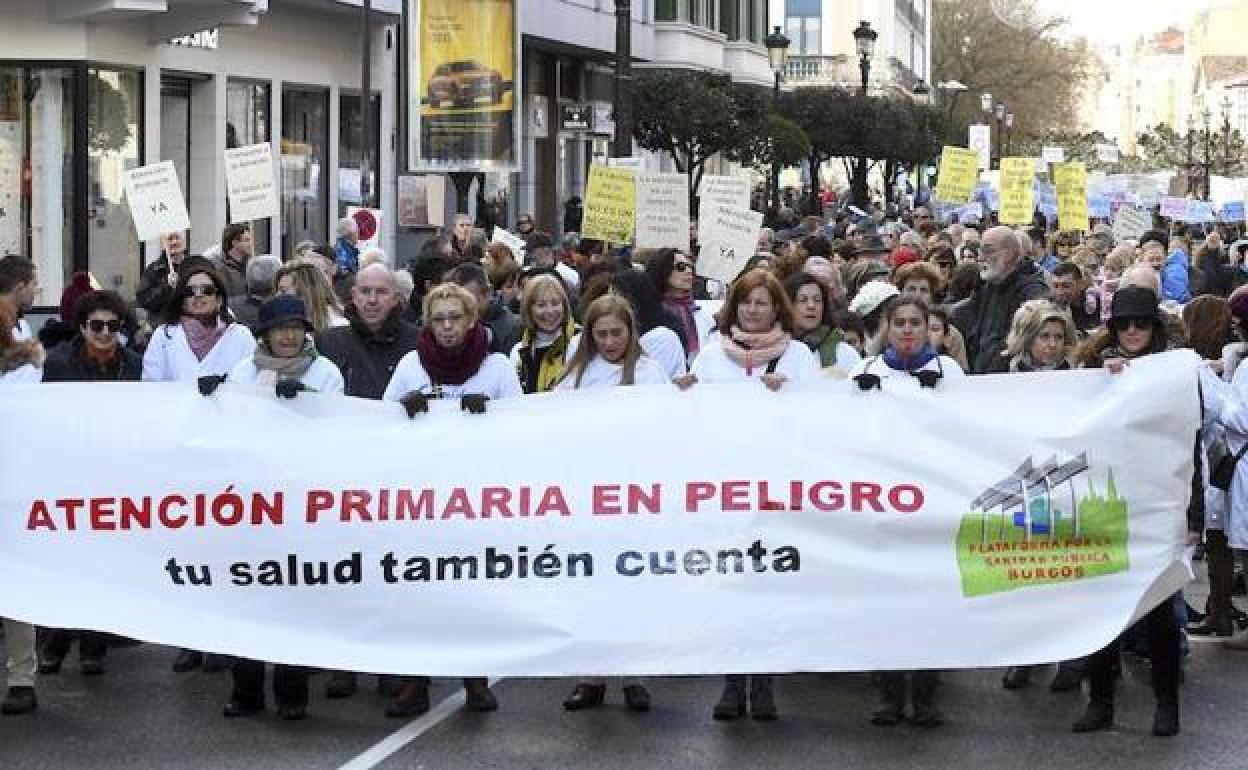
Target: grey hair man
<point>1010,279</point>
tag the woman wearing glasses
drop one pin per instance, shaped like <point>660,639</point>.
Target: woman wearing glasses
<point>198,338</point>
<point>95,354</point>
<point>671,272</point>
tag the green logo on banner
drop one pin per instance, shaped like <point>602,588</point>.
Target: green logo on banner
<point>1036,528</point>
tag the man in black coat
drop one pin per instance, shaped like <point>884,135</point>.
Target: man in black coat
<point>159,278</point>
<point>368,350</point>
<point>1010,279</point>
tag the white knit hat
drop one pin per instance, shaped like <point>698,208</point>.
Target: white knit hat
<point>871,296</point>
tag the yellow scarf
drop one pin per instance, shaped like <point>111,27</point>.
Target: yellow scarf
<point>554,362</point>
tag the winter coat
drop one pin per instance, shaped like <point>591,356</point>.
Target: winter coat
<point>505,327</point>
<point>321,377</point>
<point>992,311</point>
<point>68,362</point>
<point>154,290</point>
<point>169,357</point>
<point>367,360</point>
<point>797,363</point>
<point>1175,278</point>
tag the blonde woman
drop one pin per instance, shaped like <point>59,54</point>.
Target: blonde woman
<point>610,353</point>
<point>1042,339</point>
<point>305,280</point>
<point>540,357</point>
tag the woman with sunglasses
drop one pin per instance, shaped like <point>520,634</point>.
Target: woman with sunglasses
<point>907,352</point>
<point>671,272</point>
<point>95,354</point>
<point>198,338</point>
<point>1136,329</point>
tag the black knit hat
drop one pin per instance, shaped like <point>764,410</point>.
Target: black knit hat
<point>1135,302</point>
<point>282,309</point>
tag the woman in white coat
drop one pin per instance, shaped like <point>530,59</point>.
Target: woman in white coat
<point>198,336</point>
<point>197,339</point>
<point>907,349</point>
<point>21,363</point>
<point>285,357</point>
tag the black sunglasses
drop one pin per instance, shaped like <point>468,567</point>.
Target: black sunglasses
<point>680,267</point>
<point>1122,324</point>
<point>201,291</point>
<point>97,326</point>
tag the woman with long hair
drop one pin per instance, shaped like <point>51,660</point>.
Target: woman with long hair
<point>540,357</point>
<point>1042,338</point>
<point>812,322</point>
<point>610,352</point>
<point>672,273</point>
<point>303,279</point>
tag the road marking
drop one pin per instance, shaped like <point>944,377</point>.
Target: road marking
<point>393,743</point>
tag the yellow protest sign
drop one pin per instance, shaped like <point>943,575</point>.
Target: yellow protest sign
<point>959,170</point>
<point>610,204</point>
<point>1071,181</point>
<point>1017,191</point>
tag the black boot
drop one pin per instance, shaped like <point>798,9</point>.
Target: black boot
<point>341,684</point>
<point>243,707</point>
<point>187,660</point>
<point>478,696</point>
<point>762,702</point>
<point>1213,625</point>
<point>1166,719</point>
<point>636,698</point>
<point>412,699</point>
<point>731,703</point>
<point>1068,677</point>
<point>892,708</point>
<point>20,700</point>
<point>586,696</point>
<point>923,686</point>
<point>1098,716</point>
<point>1016,677</point>
<point>215,664</point>
<point>50,664</point>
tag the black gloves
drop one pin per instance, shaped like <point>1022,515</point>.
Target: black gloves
<point>927,378</point>
<point>290,388</point>
<point>209,383</point>
<point>415,403</point>
<point>473,403</point>
<point>866,381</point>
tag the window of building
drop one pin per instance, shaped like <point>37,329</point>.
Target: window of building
<point>37,143</point>
<point>805,35</point>
<point>114,135</point>
<point>247,107</point>
<point>305,140</point>
<point>351,151</point>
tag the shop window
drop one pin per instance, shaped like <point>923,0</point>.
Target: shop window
<point>305,139</point>
<point>351,151</point>
<point>114,112</point>
<point>36,173</point>
<point>246,123</point>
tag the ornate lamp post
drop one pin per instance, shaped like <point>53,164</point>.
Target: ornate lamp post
<point>778,55</point>
<point>864,41</point>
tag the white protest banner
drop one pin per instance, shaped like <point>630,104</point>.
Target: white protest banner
<point>1131,223</point>
<point>731,191</point>
<point>835,514</point>
<point>513,242</point>
<point>979,139</point>
<point>251,182</point>
<point>1053,155</point>
<point>1173,207</point>
<point>155,197</point>
<point>662,211</point>
<point>727,238</point>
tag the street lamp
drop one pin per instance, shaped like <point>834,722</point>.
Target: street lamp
<point>1226,133</point>
<point>1009,133</point>
<point>985,102</point>
<point>778,55</point>
<point>864,41</point>
<point>1191,159</point>
<point>1208,149</point>
<point>921,89</point>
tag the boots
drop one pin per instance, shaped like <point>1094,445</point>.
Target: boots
<point>20,700</point>
<point>411,700</point>
<point>731,703</point>
<point>1068,677</point>
<point>892,687</point>
<point>1016,677</point>
<point>586,696</point>
<point>341,684</point>
<point>636,698</point>
<point>1166,718</point>
<point>478,696</point>
<point>923,686</point>
<point>762,703</point>
<point>1098,716</point>
<point>187,660</point>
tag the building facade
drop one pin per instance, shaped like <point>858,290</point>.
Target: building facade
<point>92,88</point>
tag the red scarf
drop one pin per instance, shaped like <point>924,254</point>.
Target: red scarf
<point>453,366</point>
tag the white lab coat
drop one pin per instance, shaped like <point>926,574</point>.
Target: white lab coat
<point>322,376</point>
<point>797,363</point>
<point>601,374</point>
<point>660,343</point>
<point>496,379</point>
<point>169,357</point>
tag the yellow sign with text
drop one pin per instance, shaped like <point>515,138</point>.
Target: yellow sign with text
<point>959,170</point>
<point>610,204</point>
<point>1071,181</point>
<point>1017,191</point>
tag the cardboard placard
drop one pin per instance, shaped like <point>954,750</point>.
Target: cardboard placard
<point>610,204</point>
<point>1071,181</point>
<point>732,191</point>
<point>251,182</point>
<point>1017,205</point>
<point>662,211</point>
<point>1131,223</point>
<point>727,236</point>
<point>156,203</point>
<point>959,169</point>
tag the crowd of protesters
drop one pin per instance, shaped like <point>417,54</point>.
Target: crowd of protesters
<point>864,298</point>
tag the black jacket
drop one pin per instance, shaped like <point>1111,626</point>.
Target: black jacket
<point>154,289</point>
<point>68,362</point>
<point>991,313</point>
<point>367,360</point>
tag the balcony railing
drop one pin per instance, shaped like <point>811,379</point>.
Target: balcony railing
<point>842,71</point>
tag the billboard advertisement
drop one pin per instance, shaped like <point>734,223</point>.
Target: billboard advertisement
<point>463,85</point>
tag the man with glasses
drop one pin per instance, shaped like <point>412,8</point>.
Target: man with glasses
<point>159,278</point>
<point>1010,279</point>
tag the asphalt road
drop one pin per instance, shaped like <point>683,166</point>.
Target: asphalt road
<point>140,715</point>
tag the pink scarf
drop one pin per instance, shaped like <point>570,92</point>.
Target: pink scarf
<point>680,303</point>
<point>201,337</point>
<point>749,349</point>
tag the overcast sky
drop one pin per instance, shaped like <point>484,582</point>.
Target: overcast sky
<point>1121,20</point>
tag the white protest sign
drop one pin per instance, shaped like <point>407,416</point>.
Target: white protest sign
<point>534,568</point>
<point>733,191</point>
<point>1053,155</point>
<point>1174,207</point>
<point>727,238</point>
<point>1107,153</point>
<point>251,182</point>
<point>633,163</point>
<point>979,139</point>
<point>1131,223</point>
<point>513,242</point>
<point>662,211</point>
<point>155,197</point>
